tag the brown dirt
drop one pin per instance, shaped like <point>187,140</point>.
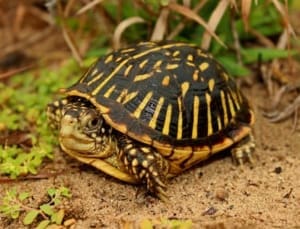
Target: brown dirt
<point>215,194</point>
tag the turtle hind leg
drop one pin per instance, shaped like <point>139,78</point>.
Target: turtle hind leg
<point>146,165</point>
<point>243,150</point>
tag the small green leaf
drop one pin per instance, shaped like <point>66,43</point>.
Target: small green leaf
<point>58,217</point>
<point>51,192</point>
<point>233,67</point>
<point>47,209</point>
<point>43,224</point>
<point>65,192</point>
<point>30,217</point>
<point>23,196</point>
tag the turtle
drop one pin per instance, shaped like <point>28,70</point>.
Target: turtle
<point>148,112</point>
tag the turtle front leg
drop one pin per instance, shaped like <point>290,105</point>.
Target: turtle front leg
<point>243,150</point>
<point>146,165</point>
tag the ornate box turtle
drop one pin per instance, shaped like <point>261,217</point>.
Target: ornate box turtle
<point>148,112</point>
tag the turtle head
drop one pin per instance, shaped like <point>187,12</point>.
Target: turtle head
<point>82,130</point>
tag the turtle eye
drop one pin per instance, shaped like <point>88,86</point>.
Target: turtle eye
<point>94,122</point>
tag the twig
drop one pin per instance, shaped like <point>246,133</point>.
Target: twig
<point>161,25</point>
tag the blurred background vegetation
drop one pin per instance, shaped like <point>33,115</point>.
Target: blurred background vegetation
<point>47,45</point>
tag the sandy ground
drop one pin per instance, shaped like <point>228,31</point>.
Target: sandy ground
<point>214,194</point>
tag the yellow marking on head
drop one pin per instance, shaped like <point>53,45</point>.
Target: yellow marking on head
<point>109,91</point>
<point>223,101</point>
<point>196,75</point>
<point>211,84</point>
<point>142,77</point>
<point>166,81</point>
<point>196,107</point>
<point>176,53</point>
<point>108,59</point>
<point>171,66</point>
<point>127,70</point>
<point>142,105</point>
<point>159,105</point>
<point>180,121</point>
<point>95,78</point>
<point>203,66</point>
<point>231,107</point>
<point>209,118</point>
<point>129,97</point>
<point>157,64</point>
<point>122,95</point>
<point>166,127</point>
<point>190,57</point>
<point>143,63</point>
<point>136,56</point>
<point>184,88</point>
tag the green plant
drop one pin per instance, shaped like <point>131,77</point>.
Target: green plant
<point>23,104</point>
<point>13,203</point>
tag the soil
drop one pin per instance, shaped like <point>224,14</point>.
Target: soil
<point>214,194</point>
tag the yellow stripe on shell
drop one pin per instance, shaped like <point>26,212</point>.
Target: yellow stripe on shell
<point>129,97</point>
<point>142,105</point>
<point>209,118</point>
<point>127,70</point>
<point>231,107</point>
<point>166,81</point>
<point>211,85</point>
<point>159,105</point>
<point>219,123</point>
<point>184,88</point>
<point>196,75</point>
<point>142,77</point>
<point>109,91</point>
<point>180,119</point>
<point>203,66</point>
<point>223,101</point>
<point>176,53</point>
<point>143,63</point>
<point>196,107</point>
<point>95,78</point>
<point>122,95</point>
<point>108,59</point>
<point>166,127</point>
<point>172,66</point>
<point>190,57</point>
<point>235,99</point>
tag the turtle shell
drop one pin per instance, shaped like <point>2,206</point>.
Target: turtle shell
<point>172,96</point>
